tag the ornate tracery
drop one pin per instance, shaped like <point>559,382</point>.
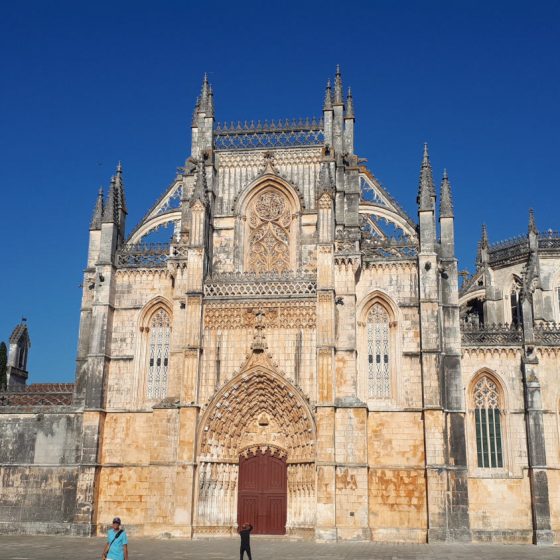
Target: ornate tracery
<point>486,398</point>
<point>270,218</point>
<point>158,355</point>
<point>379,350</point>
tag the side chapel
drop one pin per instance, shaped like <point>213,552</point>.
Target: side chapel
<point>298,356</point>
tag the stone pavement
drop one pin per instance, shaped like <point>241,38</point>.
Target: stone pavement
<point>71,548</point>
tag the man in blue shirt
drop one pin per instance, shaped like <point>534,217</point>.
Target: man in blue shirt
<point>117,543</point>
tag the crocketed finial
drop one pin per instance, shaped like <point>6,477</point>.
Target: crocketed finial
<point>203,105</point>
<point>445,202</point>
<point>97,217</point>
<point>338,95</point>
<point>532,225</point>
<point>327,105</point>
<point>484,237</point>
<point>426,189</point>
<point>349,104</point>
<point>111,208</point>
<point>119,187</point>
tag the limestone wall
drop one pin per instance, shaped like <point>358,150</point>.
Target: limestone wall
<point>397,488</point>
<point>39,456</point>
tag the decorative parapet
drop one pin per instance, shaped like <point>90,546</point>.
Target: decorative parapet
<point>547,334</point>
<point>149,255</point>
<point>509,250</point>
<point>549,240</point>
<point>391,248</point>
<point>491,335</point>
<point>248,285</point>
<point>279,134</point>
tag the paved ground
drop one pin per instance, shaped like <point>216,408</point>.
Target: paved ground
<point>69,548</point>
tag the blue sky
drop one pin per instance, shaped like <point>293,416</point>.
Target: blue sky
<point>84,85</point>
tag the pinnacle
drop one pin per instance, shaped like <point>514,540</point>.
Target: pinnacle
<point>338,95</point>
<point>97,211</point>
<point>327,105</point>
<point>426,189</point>
<point>349,104</point>
<point>110,210</point>
<point>484,237</point>
<point>206,104</point>
<point>532,225</point>
<point>446,202</point>
<point>119,186</point>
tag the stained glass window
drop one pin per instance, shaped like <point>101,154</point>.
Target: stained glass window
<point>158,361</point>
<point>379,382</point>
<point>487,421</point>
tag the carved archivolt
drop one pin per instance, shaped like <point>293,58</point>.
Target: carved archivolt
<point>287,315</point>
<point>258,407</point>
<point>270,218</point>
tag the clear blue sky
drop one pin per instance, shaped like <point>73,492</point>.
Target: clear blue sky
<point>86,84</point>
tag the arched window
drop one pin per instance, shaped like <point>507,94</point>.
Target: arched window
<point>270,218</point>
<point>378,352</point>
<point>158,355</point>
<point>487,404</point>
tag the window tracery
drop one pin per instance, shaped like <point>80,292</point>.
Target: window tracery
<point>270,218</point>
<point>158,355</point>
<point>379,377</point>
<point>486,398</point>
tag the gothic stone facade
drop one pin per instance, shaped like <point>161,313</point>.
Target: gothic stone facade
<point>298,315</point>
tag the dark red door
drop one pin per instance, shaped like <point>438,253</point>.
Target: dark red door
<point>262,499</point>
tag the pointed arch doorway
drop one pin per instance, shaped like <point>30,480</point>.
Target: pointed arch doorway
<point>263,492</point>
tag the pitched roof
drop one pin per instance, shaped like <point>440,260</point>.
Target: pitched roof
<point>40,394</point>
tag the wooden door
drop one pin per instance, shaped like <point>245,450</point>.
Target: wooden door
<point>263,497</point>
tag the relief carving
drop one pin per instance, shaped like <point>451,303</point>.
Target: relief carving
<point>294,315</point>
<point>269,239</point>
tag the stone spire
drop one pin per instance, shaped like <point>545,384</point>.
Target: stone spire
<point>97,211</point>
<point>484,237</point>
<point>210,107</point>
<point>111,207</point>
<point>195,112</point>
<point>338,95</point>
<point>119,185</point>
<point>532,225</point>
<point>205,104</point>
<point>349,105</point>
<point>426,189</point>
<point>482,250</point>
<point>327,105</point>
<point>445,200</point>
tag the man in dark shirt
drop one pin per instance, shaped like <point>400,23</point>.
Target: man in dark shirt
<point>245,534</point>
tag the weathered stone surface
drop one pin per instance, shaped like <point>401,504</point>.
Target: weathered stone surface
<point>284,318</point>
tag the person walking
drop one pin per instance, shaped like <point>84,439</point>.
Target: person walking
<point>117,542</point>
<point>245,534</point>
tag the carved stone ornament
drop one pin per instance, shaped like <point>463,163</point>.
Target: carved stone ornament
<point>294,315</point>
<point>269,239</point>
